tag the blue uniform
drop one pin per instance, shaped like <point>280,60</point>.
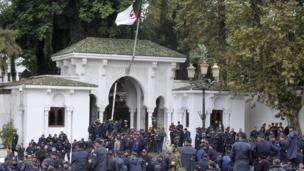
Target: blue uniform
<point>292,149</point>
<point>241,156</point>
<point>200,154</point>
<point>100,159</point>
<point>135,163</point>
<point>120,164</point>
<point>187,156</point>
<point>79,160</point>
<point>264,149</point>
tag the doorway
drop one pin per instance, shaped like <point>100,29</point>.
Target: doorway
<point>216,118</point>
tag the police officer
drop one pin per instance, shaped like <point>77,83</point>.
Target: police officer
<point>187,155</point>
<point>119,163</point>
<point>135,163</point>
<point>241,154</point>
<point>292,149</point>
<point>198,138</point>
<point>80,159</point>
<point>159,164</point>
<point>14,141</point>
<point>146,160</point>
<point>264,148</point>
<point>99,158</point>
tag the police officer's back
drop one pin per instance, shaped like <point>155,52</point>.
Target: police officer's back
<point>241,154</point>
<point>100,157</point>
<point>80,159</point>
<point>135,163</point>
<point>187,154</point>
<point>263,148</point>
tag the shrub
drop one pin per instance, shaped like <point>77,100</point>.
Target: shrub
<point>6,134</point>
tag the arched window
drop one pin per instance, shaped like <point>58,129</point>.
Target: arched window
<point>187,118</point>
<point>56,117</point>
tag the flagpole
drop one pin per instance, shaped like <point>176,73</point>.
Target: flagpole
<point>114,99</point>
<point>135,43</point>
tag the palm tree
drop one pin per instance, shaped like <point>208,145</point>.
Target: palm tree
<point>9,49</point>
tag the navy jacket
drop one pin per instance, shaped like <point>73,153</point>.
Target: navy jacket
<point>100,159</point>
<point>241,156</point>
<point>79,160</point>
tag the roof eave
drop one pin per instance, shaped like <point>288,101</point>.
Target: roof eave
<point>118,57</point>
<point>50,87</point>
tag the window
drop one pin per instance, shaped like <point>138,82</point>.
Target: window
<point>187,118</point>
<point>56,117</point>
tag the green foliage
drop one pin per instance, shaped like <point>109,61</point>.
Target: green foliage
<point>258,44</point>
<point>8,45</point>
<point>266,53</point>
<point>8,49</point>
<point>200,52</point>
<point>93,9</point>
<point>6,134</point>
<point>198,21</point>
<point>158,24</point>
<point>203,22</point>
<point>3,5</point>
<point>45,27</point>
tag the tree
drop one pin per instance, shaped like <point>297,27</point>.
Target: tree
<point>203,22</point>
<point>158,23</point>
<point>266,53</point>
<point>8,49</point>
<point>6,134</point>
<point>45,27</point>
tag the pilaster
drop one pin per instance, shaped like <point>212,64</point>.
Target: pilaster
<point>46,120</point>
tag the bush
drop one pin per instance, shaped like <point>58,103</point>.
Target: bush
<point>6,134</point>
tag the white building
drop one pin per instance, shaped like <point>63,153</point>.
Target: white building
<point>6,76</point>
<point>84,91</point>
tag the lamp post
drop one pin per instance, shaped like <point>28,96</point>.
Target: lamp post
<point>203,83</point>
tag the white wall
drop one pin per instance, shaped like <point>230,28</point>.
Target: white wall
<point>153,78</point>
<point>39,100</point>
<point>259,113</point>
<point>238,112</point>
<point>4,110</point>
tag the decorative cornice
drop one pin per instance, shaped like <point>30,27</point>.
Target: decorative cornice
<point>118,57</point>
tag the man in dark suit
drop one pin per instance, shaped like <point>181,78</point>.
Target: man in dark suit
<point>241,154</point>
<point>15,141</point>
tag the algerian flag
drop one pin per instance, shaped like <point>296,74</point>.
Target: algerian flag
<point>130,15</point>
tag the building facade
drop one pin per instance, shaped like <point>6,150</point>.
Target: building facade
<point>148,93</point>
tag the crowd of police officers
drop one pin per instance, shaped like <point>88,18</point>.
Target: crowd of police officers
<point>112,146</point>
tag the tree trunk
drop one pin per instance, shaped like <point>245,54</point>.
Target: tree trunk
<point>13,68</point>
<point>293,120</point>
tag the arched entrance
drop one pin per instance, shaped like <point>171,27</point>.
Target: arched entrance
<point>158,117</point>
<point>128,102</point>
<point>93,108</point>
<point>121,110</point>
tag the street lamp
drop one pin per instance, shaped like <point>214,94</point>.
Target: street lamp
<point>203,83</point>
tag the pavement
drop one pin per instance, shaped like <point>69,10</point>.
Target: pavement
<point>2,155</point>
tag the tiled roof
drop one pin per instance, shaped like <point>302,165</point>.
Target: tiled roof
<point>48,80</point>
<point>119,47</point>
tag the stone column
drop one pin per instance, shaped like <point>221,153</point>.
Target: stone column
<point>150,114</point>
<point>100,112</point>
<point>132,114</point>
<point>69,122</point>
<point>17,76</point>
<point>21,131</point>
<point>46,120</point>
<point>5,79</point>
<point>168,119</point>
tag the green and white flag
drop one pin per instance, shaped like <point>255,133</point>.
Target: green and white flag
<point>130,15</point>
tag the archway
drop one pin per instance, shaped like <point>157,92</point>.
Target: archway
<point>128,103</point>
<point>93,108</point>
<point>158,117</point>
